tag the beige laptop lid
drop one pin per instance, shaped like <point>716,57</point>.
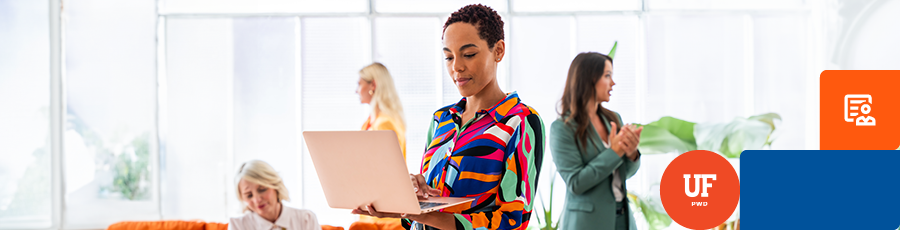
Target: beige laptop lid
<point>357,168</point>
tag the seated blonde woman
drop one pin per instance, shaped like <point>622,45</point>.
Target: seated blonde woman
<point>376,88</point>
<point>261,189</point>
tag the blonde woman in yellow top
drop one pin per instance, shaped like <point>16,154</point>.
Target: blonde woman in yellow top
<point>376,88</point>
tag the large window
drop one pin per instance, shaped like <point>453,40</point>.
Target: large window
<point>196,121</point>
<point>411,48</point>
<point>160,101</point>
<point>25,168</point>
<point>333,50</point>
<point>261,7</point>
<point>110,151</point>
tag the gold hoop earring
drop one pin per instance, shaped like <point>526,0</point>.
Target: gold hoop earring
<point>371,92</point>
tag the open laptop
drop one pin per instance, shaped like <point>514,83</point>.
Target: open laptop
<point>357,168</point>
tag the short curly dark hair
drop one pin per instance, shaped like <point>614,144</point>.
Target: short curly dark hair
<point>485,19</point>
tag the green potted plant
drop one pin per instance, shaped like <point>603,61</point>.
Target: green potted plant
<point>673,135</point>
<point>545,218</point>
<point>669,134</point>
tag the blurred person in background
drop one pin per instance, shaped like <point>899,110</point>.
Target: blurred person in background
<point>593,151</point>
<point>376,88</point>
<point>261,189</point>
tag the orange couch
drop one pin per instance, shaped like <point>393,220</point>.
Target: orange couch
<point>181,225</point>
<point>368,223</point>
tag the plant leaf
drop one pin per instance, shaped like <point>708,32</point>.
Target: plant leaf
<point>655,219</point>
<point>710,136</point>
<point>730,139</point>
<point>658,140</point>
<point>546,223</point>
<point>768,118</point>
<point>682,129</point>
<point>746,134</point>
<point>612,52</point>
<point>668,134</point>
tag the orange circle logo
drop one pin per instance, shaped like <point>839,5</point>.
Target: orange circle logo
<point>700,189</point>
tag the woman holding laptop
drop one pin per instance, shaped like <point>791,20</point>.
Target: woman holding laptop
<point>487,146</point>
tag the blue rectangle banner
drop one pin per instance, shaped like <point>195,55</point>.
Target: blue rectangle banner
<point>820,189</point>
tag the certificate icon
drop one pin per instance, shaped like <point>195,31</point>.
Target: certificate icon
<point>857,108</point>
<point>850,125</point>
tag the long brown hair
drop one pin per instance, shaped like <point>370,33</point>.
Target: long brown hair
<point>584,73</point>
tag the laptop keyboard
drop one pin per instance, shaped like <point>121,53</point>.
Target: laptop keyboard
<point>424,205</point>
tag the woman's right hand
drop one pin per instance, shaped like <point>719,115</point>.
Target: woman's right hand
<point>420,186</point>
<point>624,141</point>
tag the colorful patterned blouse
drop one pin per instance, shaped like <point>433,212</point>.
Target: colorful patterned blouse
<point>494,159</point>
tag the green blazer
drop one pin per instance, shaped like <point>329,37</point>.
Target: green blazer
<point>590,203</point>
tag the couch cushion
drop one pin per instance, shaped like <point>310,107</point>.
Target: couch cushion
<point>159,225</point>
<point>181,224</point>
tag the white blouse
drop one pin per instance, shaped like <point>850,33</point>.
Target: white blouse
<point>618,193</point>
<point>290,219</point>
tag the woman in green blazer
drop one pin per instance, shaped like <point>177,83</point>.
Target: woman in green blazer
<point>593,152</point>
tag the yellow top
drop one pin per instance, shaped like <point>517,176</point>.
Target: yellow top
<point>386,123</point>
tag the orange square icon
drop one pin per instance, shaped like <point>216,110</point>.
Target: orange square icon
<point>859,110</point>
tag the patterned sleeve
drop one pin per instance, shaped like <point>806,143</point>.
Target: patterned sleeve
<point>519,180</point>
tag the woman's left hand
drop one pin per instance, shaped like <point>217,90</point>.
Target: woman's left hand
<point>635,138</point>
<point>375,213</point>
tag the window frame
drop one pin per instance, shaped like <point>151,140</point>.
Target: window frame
<point>58,76</point>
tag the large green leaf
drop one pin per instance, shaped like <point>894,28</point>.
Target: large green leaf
<point>668,134</point>
<point>682,129</point>
<point>710,136</point>
<point>747,134</point>
<point>730,139</point>
<point>658,140</point>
